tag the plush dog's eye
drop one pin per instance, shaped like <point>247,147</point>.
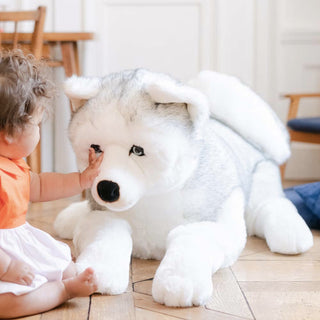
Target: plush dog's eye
<point>96,148</point>
<point>138,151</point>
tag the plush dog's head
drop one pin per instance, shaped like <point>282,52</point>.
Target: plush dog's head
<point>148,126</point>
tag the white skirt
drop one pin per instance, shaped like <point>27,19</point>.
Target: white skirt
<point>48,257</point>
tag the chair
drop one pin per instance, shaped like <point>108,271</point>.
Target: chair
<point>301,129</point>
<point>35,47</point>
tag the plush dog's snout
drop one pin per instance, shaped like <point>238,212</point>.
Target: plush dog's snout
<point>108,190</point>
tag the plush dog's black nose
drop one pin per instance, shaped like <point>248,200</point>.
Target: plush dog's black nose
<point>108,190</point>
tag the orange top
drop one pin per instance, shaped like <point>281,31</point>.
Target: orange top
<point>14,192</point>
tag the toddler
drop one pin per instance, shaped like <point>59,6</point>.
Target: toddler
<point>36,271</point>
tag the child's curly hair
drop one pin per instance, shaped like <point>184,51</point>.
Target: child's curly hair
<point>24,90</point>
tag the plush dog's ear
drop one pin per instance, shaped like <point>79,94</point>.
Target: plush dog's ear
<point>80,89</point>
<point>171,92</point>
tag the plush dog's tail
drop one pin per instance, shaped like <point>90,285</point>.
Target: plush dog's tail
<point>236,105</point>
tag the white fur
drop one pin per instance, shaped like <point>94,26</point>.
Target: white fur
<point>274,217</point>
<point>166,92</point>
<point>191,197</point>
<point>99,237</point>
<point>81,89</point>
<point>74,212</point>
<point>196,250</point>
<point>239,107</point>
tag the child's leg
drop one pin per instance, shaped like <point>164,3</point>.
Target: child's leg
<point>48,296</point>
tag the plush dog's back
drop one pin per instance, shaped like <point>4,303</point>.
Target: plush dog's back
<point>239,107</point>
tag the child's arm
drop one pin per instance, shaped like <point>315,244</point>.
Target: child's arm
<point>51,186</point>
<point>16,271</point>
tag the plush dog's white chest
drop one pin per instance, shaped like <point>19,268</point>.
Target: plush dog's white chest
<point>151,220</point>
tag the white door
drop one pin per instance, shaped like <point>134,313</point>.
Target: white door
<point>271,45</point>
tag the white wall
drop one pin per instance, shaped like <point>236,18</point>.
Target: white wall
<point>272,45</point>
<point>298,70</point>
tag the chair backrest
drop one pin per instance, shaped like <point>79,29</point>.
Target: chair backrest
<point>38,16</point>
<point>12,39</point>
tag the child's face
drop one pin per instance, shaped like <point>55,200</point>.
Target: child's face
<point>25,142</point>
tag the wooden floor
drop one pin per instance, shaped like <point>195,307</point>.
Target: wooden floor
<point>260,285</point>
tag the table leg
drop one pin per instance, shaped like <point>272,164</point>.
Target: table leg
<point>76,56</point>
<point>70,58</point>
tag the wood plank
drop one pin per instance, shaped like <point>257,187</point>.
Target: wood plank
<point>257,249</point>
<point>144,287</point>
<point>277,270</point>
<point>283,300</point>
<point>307,137</point>
<point>117,307</point>
<point>254,245</point>
<point>75,309</point>
<point>302,95</point>
<point>143,269</point>
<point>227,296</point>
<point>275,286</point>
<point>143,314</point>
<point>52,36</point>
<point>312,255</point>
<point>112,307</point>
<point>146,302</point>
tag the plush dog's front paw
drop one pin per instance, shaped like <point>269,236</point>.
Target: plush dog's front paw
<point>113,282</point>
<point>176,290</point>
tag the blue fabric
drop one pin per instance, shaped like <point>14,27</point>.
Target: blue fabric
<point>306,198</point>
<point>305,124</point>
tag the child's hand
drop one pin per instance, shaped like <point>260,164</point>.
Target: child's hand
<point>19,272</point>
<point>88,175</point>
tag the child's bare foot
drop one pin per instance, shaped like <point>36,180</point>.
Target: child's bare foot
<point>81,285</point>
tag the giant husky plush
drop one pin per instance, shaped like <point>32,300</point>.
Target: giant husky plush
<point>188,171</point>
